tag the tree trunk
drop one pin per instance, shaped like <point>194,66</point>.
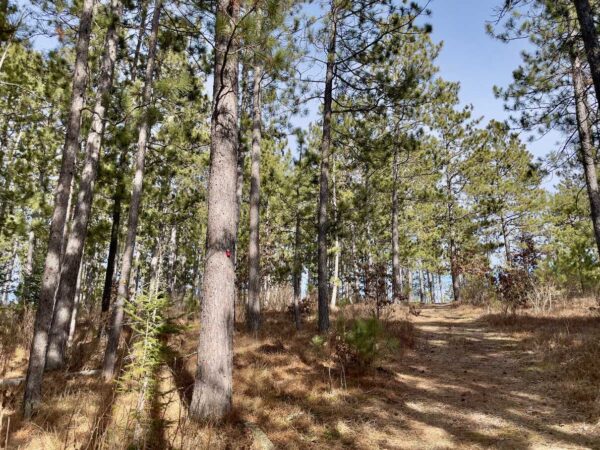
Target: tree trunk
<point>39,343</point>
<point>112,248</point>
<point>396,282</point>
<point>505,238</point>
<point>454,273</point>
<point>297,275</point>
<point>241,158</point>
<point>59,333</point>
<point>8,278</point>
<point>213,384</point>
<point>430,284</point>
<point>586,149</point>
<point>28,269</point>
<point>587,25</point>
<point>323,225</point>
<point>337,249</point>
<point>253,314</point>
<point>73,322</point>
<point>172,261</point>
<point>421,287</point>
<point>116,325</point>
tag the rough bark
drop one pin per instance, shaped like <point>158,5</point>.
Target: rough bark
<point>323,220</point>
<point>586,148</point>
<point>396,277</point>
<point>213,384</point>
<point>253,313</point>
<point>589,34</point>
<point>59,333</point>
<point>116,325</point>
<point>39,344</point>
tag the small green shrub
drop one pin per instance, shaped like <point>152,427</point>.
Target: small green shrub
<point>361,342</point>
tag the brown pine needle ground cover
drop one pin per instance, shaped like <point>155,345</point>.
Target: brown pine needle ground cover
<point>460,379</point>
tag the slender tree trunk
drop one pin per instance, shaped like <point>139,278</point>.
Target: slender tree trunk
<point>586,149</point>
<point>73,322</point>
<point>454,275</point>
<point>451,244</point>
<point>440,287</point>
<point>63,310</point>
<point>8,278</point>
<point>338,250</point>
<point>116,325</point>
<point>396,282</point>
<point>587,24</point>
<point>244,105</point>
<point>430,285</point>
<point>213,385</point>
<point>355,268</point>
<point>112,250</point>
<point>323,225</point>
<point>39,344</point>
<point>421,287</point>
<point>253,315</point>
<point>297,275</point>
<point>143,7</point>
<point>505,237</point>
<point>172,261</point>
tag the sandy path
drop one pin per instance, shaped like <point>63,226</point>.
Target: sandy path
<point>473,387</point>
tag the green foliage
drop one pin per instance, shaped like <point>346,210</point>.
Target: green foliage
<point>361,342</point>
<point>146,316</point>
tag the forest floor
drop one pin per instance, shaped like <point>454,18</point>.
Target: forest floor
<point>462,378</point>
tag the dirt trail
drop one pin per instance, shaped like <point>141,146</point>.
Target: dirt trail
<point>472,386</point>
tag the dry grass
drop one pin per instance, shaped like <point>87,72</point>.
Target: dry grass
<point>460,379</point>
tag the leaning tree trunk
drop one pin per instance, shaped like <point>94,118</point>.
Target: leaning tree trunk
<point>586,149</point>
<point>587,25</point>
<point>213,385</point>
<point>323,222</point>
<point>253,315</point>
<point>112,247</point>
<point>63,310</point>
<point>114,334</point>
<point>43,319</point>
<point>396,278</point>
